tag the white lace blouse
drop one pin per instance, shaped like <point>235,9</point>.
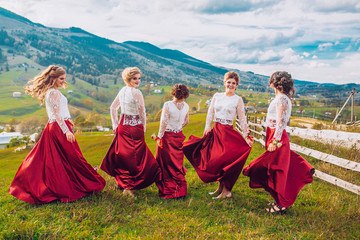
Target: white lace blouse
<point>174,117</point>
<point>131,102</point>
<point>278,114</point>
<point>57,108</point>
<point>223,109</point>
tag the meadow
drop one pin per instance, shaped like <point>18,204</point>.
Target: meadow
<point>321,211</point>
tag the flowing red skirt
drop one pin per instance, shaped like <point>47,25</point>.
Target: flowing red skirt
<point>282,173</point>
<point>130,160</point>
<point>219,156</point>
<point>55,169</point>
<point>171,158</point>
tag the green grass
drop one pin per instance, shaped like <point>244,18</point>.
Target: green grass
<point>321,211</point>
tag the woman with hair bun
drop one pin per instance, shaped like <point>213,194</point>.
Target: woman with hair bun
<point>129,159</point>
<point>222,152</point>
<point>170,139</point>
<point>279,170</point>
<point>55,169</point>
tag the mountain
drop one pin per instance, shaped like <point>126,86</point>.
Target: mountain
<point>100,61</point>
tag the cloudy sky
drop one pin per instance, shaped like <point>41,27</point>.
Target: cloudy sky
<point>314,40</point>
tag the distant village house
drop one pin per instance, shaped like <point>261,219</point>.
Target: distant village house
<point>16,94</point>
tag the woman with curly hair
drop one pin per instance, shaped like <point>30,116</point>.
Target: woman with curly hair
<point>170,139</point>
<point>129,159</point>
<point>222,152</point>
<point>55,169</point>
<point>279,170</point>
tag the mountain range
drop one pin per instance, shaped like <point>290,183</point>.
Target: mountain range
<point>100,61</point>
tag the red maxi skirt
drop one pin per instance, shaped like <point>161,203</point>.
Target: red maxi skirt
<point>218,156</point>
<point>55,169</point>
<point>130,160</point>
<point>282,173</point>
<point>171,158</point>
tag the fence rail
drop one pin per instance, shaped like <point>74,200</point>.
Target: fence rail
<point>341,162</point>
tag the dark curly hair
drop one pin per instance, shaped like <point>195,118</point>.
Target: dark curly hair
<point>283,82</point>
<point>180,91</point>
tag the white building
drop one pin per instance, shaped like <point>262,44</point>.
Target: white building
<point>5,138</point>
<point>157,91</point>
<point>16,94</point>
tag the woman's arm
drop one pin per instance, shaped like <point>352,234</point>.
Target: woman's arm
<point>140,105</point>
<point>240,109</point>
<point>114,107</point>
<point>164,120</point>
<point>54,100</point>
<point>210,115</point>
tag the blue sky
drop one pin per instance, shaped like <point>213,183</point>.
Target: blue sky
<point>314,40</point>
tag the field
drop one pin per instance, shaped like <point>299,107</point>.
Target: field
<point>321,211</point>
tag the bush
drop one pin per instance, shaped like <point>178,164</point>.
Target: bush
<point>318,126</point>
<point>18,141</point>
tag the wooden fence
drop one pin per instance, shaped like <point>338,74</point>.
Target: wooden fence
<point>258,128</point>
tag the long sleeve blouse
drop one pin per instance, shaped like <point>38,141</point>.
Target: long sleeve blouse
<point>223,109</point>
<point>131,103</point>
<point>174,117</point>
<point>278,114</point>
<point>57,108</point>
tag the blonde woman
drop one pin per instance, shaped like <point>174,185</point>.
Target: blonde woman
<point>129,159</point>
<point>55,169</point>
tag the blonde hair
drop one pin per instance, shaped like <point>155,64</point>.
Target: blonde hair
<point>44,81</point>
<point>232,75</point>
<point>129,73</point>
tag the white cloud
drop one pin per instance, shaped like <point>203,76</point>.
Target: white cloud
<point>306,54</point>
<point>325,46</point>
<point>256,34</point>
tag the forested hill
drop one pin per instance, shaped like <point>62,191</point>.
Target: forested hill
<point>93,58</point>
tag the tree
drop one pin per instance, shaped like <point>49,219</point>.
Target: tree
<point>147,89</point>
<point>18,141</point>
<point>88,103</point>
<point>12,125</point>
<point>30,125</point>
<point>96,118</point>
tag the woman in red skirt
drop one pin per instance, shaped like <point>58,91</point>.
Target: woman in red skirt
<point>169,154</point>
<point>279,170</point>
<point>221,154</point>
<point>129,159</point>
<point>55,169</point>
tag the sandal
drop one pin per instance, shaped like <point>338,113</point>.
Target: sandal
<point>276,209</point>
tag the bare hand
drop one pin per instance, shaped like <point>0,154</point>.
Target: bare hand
<point>248,141</point>
<point>114,131</point>
<point>70,136</point>
<point>206,131</point>
<point>271,147</point>
<point>158,142</point>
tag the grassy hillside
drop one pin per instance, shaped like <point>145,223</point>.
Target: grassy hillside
<point>85,97</point>
<point>321,211</point>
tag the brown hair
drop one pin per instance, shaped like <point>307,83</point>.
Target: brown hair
<point>129,74</point>
<point>232,75</point>
<point>180,91</point>
<point>283,82</point>
<point>39,85</point>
